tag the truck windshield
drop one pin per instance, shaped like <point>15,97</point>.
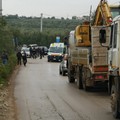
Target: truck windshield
<point>113,41</point>
<point>56,49</point>
<point>115,10</point>
<point>115,13</point>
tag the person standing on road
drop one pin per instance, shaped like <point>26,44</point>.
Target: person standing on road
<point>43,51</point>
<point>31,52</point>
<point>40,52</point>
<point>34,53</point>
<point>19,57</point>
<point>24,57</point>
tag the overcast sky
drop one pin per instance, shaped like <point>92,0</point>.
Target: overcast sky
<point>49,8</point>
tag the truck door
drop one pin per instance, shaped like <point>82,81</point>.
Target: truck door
<point>113,50</point>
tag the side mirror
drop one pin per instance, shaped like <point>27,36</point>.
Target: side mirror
<point>102,36</point>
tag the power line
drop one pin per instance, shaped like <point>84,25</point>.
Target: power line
<point>51,15</point>
<point>48,15</point>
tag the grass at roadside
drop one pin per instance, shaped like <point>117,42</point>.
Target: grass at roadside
<point>6,70</point>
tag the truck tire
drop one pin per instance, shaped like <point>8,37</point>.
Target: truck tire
<point>71,78</point>
<point>60,72</point>
<point>79,78</point>
<point>85,87</point>
<point>114,102</point>
<point>63,73</point>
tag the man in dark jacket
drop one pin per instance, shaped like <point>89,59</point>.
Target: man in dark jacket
<point>43,51</point>
<point>40,52</point>
<point>4,57</point>
<point>24,57</point>
<point>19,57</point>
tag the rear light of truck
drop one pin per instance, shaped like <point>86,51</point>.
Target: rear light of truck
<point>100,77</point>
<point>100,68</point>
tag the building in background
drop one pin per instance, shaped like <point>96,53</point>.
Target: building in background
<point>0,7</point>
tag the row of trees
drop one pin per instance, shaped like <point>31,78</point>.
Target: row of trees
<point>6,36</point>
<point>26,30</point>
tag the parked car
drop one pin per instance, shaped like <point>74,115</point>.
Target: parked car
<point>63,67</point>
<point>27,51</point>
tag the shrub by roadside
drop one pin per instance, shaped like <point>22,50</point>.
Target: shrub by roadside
<point>6,70</point>
<point>7,106</point>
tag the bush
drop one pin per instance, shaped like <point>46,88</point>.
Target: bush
<point>6,70</point>
<point>6,44</point>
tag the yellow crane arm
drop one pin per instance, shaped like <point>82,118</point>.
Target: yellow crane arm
<point>102,15</point>
<point>82,35</point>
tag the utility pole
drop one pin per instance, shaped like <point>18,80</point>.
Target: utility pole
<point>90,14</point>
<point>0,8</point>
<point>41,23</point>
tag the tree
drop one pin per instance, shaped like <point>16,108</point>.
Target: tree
<point>53,17</point>
<point>74,18</point>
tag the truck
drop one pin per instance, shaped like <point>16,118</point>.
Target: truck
<point>114,64</point>
<point>56,51</point>
<point>87,59</point>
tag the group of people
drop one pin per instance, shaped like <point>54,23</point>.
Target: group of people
<point>36,52</point>
<point>20,57</point>
<point>23,57</point>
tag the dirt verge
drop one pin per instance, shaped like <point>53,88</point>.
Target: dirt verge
<point>7,101</point>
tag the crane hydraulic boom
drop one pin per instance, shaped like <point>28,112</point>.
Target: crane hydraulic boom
<point>102,15</point>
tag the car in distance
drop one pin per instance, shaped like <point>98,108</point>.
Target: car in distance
<point>63,67</point>
<point>27,51</point>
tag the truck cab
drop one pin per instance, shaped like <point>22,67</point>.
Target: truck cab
<point>114,66</point>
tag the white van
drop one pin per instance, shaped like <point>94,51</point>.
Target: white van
<point>56,52</point>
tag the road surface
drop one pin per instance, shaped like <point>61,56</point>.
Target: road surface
<point>42,94</point>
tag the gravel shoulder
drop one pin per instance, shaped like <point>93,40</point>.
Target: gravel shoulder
<point>8,109</point>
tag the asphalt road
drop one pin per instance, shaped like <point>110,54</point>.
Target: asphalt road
<point>42,94</point>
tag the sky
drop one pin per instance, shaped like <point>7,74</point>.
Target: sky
<point>50,8</point>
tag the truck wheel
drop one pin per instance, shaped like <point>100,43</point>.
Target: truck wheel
<point>86,88</point>
<point>63,73</point>
<point>60,71</point>
<point>114,102</point>
<point>70,78</point>
<point>79,78</point>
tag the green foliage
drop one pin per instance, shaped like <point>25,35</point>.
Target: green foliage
<point>27,29</point>
<point>6,70</point>
<point>6,43</point>
<point>2,22</point>
<point>6,37</point>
